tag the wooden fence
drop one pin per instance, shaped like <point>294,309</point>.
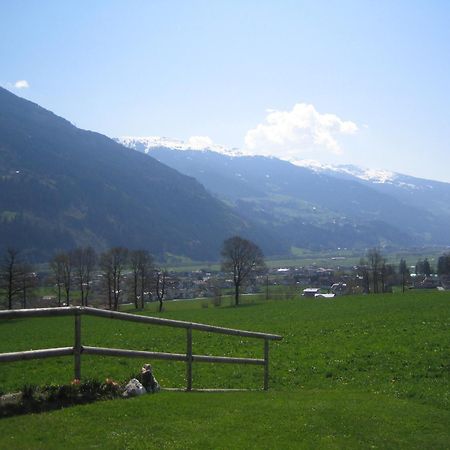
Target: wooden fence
<point>78,349</point>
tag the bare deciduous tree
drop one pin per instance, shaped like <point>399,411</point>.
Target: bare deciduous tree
<point>404,273</point>
<point>141,263</point>
<point>85,260</point>
<point>28,282</point>
<point>66,259</point>
<point>113,263</point>
<point>363,272</point>
<point>10,275</point>
<point>443,267</point>
<point>56,266</point>
<point>106,273</point>
<point>375,262</point>
<point>160,286</point>
<point>241,257</point>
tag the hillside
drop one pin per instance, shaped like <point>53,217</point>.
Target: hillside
<point>354,372</point>
<point>62,187</point>
<point>316,208</point>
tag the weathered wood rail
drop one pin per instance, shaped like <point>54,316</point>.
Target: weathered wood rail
<point>78,349</point>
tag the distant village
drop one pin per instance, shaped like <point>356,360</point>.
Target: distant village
<point>310,281</point>
<point>280,282</point>
<point>70,280</point>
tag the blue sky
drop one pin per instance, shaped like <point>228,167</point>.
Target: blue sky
<point>362,82</point>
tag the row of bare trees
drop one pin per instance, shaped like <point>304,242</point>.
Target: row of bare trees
<point>119,269</point>
<point>113,273</point>
<point>116,272</point>
<point>377,275</point>
<point>74,269</point>
<point>17,278</point>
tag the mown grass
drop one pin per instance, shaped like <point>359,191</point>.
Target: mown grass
<point>362,371</point>
<point>274,420</point>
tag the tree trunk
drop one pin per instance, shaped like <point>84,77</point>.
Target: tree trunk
<point>142,292</point>
<point>236,294</point>
<point>86,295</point>
<point>82,292</point>
<point>375,282</point>
<point>10,288</point>
<point>136,304</point>
<point>24,295</point>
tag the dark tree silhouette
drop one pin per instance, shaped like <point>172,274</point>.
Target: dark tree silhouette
<point>67,268</point>
<point>113,263</point>
<point>426,268</point>
<point>28,282</point>
<point>443,267</point>
<point>160,286</point>
<point>241,257</point>
<point>404,273</point>
<point>10,275</point>
<point>376,261</point>
<point>84,260</point>
<point>141,263</point>
<point>363,272</point>
<point>56,266</point>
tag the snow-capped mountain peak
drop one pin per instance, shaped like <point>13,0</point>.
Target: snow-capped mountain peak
<point>198,143</point>
<point>373,175</point>
<point>205,144</point>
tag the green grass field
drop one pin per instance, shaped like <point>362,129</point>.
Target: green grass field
<point>325,258</point>
<point>354,372</point>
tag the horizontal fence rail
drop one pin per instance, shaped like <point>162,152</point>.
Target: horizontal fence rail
<point>78,349</point>
<point>36,354</point>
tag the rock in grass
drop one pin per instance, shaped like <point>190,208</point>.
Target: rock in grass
<point>134,388</point>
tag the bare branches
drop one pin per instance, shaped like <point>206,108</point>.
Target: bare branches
<point>10,274</point>
<point>85,260</point>
<point>17,278</point>
<point>141,264</point>
<point>113,263</point>
<point>241,257</point>
<point>160,286</point>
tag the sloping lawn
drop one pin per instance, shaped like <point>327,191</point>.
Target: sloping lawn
<point>355,372</point>
<point>282,420</point>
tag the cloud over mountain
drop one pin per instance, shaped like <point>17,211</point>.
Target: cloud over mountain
<point>21,84</point>
<point>287,134</point>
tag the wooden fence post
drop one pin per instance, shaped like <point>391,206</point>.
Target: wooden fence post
<point>266,364</point>
<point>77,346</point>
<point>189,359</point>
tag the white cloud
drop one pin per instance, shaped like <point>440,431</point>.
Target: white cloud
<point>289,134</point>
<point>200,142</point>
<point>21,84</point>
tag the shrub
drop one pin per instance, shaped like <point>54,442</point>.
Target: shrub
<point>28,391</point>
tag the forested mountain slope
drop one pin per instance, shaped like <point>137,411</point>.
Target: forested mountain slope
<point>61,186</point>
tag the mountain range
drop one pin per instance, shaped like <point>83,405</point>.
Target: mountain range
<point>62,187</point>
<point>314,206</point>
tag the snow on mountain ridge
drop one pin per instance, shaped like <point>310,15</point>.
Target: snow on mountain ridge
<point>373,175</point>
<point>203,144</point>
<point>199,143</point>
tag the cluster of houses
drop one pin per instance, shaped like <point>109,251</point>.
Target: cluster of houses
<point>335,290</point>
<point>433,281</point>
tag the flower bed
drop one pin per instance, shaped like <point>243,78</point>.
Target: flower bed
<point>32,399</point>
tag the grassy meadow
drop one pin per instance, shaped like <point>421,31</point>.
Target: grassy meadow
<point>353,372</point>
